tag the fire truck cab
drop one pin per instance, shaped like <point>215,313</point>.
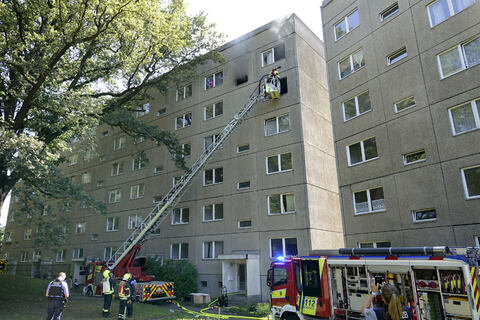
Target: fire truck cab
<point>435,282</point>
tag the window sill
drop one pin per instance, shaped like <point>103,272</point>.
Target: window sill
<point>472,198</point>
<point>112,230</point>
<point>407,108</point>
<point>282,213</point>
<point>77,259</point>
<point>369,212</point>
<point>423,221</point>
<point>216,220</point>
<point>60,261</point>
<point>277,133</point>
<point>276,172</point>
<point>205,120</point>
<point>442,77</point>
<point>464,132</point>
<point>410,163</point>
<point>359,163</point>
<point>212,184</point>
<point>178,224</point>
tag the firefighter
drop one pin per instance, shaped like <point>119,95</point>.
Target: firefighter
<point>108,285</point>
<point>272,85</point>
<point>132,284</point>
<point>124,296</point>
<point>57,294</point>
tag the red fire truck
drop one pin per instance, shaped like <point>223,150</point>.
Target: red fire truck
<point>145,290</point>
<point>436,282</point>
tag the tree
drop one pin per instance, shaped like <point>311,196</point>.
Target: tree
<point>67,66</point>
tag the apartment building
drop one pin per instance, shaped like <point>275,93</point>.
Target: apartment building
<point>405,99</point>
<point>270,191</point>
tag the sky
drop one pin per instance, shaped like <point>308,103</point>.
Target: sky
<point>236,18</point>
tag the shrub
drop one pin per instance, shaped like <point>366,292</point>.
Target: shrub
<point>181,272</point>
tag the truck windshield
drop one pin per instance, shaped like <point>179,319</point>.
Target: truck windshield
<point>311,278</point>
<point>279,276</point>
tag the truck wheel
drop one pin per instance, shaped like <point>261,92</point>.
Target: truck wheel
<point>289,316</point>
<point>89,292</point>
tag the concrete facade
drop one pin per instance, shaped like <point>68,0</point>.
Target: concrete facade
<point>436,181</point>
<point>242,264</point>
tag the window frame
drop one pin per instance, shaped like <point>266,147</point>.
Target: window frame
<point>214,84</point>
<point>62,255</point>
<point>139,163</point>
<point>247,145</point>
<point>347,25</point>
<point>395,104</point>
<point>214,244</point>
<point>461,53</point>
<point>240,227</point>
<point>244,188</point>
<point>180,244</point>
<point>140,191</point>
<point>24,256</point>
<point>214,174</point>
<point>184,92</point>
<point>214,137</point>
<point>86,178</point>
<point>397,55</point>
<point>476,115</point>
<point>27,234</point>
<point>279,159</point>
<point>362,150</point>
<point>374,243</point>
<point>269,51</point>
<point>214,210</point>
<point>284,253</point>
<point>214,111</point>
<point>117,193</point>
<point>72,160</point>
<point>450,11</point>
<point>350,57</point>
<point>80,227</point>
<point>134,221</point>
<point>146,110</point>
<point>183,116</point>
<point>282,209</point>
<point>357,106</point>
<point>386,14</point>
<point>369,201</point>
<point>405,155</point>
<point>115,222</point>
<point>181,217</point>
<point>464,183</point>
<point>119,143</point>
<point>414,217</point>
<point>277,125</point>
<point>77,254</point>
<point>112,251</point>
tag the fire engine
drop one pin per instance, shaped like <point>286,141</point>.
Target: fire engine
<point>435,282</point>
<point>124,259</point>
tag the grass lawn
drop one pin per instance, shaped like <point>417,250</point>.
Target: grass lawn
<point>24,298</point>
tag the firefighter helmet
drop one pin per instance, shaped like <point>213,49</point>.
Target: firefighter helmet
<point>127,276</point>
<point>106,273</point>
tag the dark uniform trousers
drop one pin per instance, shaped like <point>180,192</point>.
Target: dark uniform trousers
<point>55,308</point>
<point>122,311</point>
<point>107,301</point>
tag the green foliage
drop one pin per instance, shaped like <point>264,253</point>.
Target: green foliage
<point>261,309</point>
<point>181,272</point>
<point>68,66</point>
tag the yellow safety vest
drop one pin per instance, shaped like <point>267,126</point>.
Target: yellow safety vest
<point>107,288</point>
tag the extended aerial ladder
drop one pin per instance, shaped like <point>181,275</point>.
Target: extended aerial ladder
<point>268,89</point>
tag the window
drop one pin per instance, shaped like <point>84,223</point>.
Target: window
<point>86,177</point>
<point>113,223</point>
<point>458,58</point>
<point>471,182</point>
<point>102,158</point>
<point>176,180</point>
<point>397,56</point>
<point>137,191</point>
<point>441,10</point>
<point>139,162</point>
<point>24,256</point>
<point>105,133</point>
<point>8,237</point>
<point>277,125</point>
<point>184,92</point>
<point>347,24</point>
<point>119,143</point>
<point>465,117</point>
<point>213,80</point>
<point>273,54</point>
<point>362,151</point>
<point>80,227</point>
<point>244,224</point>
<point>212,176</point>
<point>356,106</point>
<point>243,185</point>
<point>27,234</point>
<point>243,148</point>
<point>179,251</point>
<point>94,236</point>
<point>351,64</point>
<point>424,215</point>
<point>77,253</point>
<point>158,169</point>
<point>186,151</point>
<point>115,196</point>
<point>477,241</point>
<point>108,253</point>
<point>370,200</point>
<point>208,141</point>
<point>73,159</point>
<point>161,112</point>
<point>139,139</point>
<point>183,121</point>
<point>405,104</point>
<point>60,256</point>
<point>212,249</point>
<point>213,111</point>
<point>283,247</point>
<point>213,212</point>
<point>279,163</point>
<point>390,11</point>
<point>181,216</point>
<point>89,154</point>
<point>414,157</point>
<point>144,111</point>
<point>134,221</point>
<point>377,244</point>
<point>36,255</point>
<point>281,203</point>
<point>241,79</point>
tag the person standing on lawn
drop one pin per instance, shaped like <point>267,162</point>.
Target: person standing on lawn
<point>124,295</point>
<point>57,294</point>
<point>108,285</point>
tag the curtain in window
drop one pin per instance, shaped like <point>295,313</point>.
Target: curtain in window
<point>463,119</point>
<point>450,62</point>
<point>288,202</point>
<point>472,52</point>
